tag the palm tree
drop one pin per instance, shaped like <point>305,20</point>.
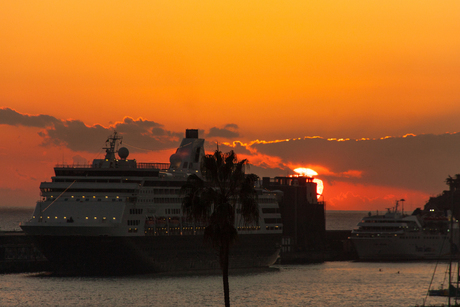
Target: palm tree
<point>214,202</point>
<point>451,182</point>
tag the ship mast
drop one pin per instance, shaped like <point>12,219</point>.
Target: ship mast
<point>111,149</point>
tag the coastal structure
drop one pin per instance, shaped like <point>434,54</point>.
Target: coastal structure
<point>119,216</point>
<point>302,217</point>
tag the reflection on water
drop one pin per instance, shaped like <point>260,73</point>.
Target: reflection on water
<point>329,284</point>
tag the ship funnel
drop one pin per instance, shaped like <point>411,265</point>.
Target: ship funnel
<point>191,133</point>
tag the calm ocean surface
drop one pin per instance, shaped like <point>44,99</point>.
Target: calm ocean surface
<point>327,284</point>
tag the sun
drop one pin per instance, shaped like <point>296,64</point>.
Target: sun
<point>308,172</point>
<point>319,187</point>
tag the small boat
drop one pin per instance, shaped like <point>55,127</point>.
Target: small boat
<point>452,292</point>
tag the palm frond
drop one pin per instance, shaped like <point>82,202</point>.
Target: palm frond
<point>248,199</point>
<point>213,200</point>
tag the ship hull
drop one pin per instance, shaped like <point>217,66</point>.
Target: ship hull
<point>105,255</point>
<point>402,249</point>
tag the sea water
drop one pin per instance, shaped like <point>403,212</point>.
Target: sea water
<point>10,218</point>
<point>335,284</point>
<point>348,284</point>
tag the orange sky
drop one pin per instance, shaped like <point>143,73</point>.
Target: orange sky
<point>277,69</point>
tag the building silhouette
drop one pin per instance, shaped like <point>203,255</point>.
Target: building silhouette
<point>303,218</point>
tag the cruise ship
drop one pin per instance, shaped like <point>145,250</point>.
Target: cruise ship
<point>395,236</point>
<point>119,216</point>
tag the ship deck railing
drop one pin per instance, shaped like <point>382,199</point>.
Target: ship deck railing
<point>75,165</point>
<point>143,165</point>
<point>377,232</point>
<point>156,165</point>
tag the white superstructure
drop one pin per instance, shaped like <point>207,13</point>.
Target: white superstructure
<point>397,236</point>
<point>119,198</point>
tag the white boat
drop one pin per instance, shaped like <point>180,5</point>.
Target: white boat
<point>118,216</point>
<point>395,236</point>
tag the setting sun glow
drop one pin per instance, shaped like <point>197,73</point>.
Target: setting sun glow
<point>285,84</point>
<point>319,187</point>
<point>308,172</point>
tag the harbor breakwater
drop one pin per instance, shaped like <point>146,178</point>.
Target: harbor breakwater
<point>19,255</point>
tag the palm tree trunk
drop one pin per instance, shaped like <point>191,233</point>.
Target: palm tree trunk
<point>224,254</point>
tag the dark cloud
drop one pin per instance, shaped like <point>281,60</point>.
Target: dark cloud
<point>266,171</point>
<point>141,126</point>
<point>420,162</point>
<point>75,135</point>
<point>138,135</point>
<point>79,160</point>
<point>415,162</point>
<point>231,126</point>
<point>229,131</point>
<point>11,117</point>
<point>239,148</point>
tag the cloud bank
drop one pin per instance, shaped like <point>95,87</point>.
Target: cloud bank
<point>143,134</point>
<point>353,170</point>
<point>411,161</point>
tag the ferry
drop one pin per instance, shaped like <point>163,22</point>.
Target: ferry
<point>119,216</point>
<point>396,236</point>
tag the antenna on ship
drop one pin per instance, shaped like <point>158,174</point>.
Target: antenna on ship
<point>111,149</point>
